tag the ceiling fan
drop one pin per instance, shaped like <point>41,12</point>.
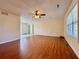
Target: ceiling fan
<point>38,14</point>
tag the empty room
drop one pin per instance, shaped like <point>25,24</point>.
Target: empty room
<point>39,29</point>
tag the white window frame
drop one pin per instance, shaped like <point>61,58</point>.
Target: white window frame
<point>70,26</point>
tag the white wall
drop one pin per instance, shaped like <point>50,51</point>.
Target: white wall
<point>49,27</point>
<point>53,27</point>
<point>72,41</point>
<point>9,27</point>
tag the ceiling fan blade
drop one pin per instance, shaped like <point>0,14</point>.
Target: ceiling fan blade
<point>43,14</point>
<point>36,12</point>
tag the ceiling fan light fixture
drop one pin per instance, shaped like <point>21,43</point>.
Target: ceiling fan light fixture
<point>36,16</point>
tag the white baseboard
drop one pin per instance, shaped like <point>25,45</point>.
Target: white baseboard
<point>9,41</point>
<point>49,35</point>
<point>72,47</point>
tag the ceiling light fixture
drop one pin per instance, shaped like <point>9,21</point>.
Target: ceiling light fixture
<point>36,16</point>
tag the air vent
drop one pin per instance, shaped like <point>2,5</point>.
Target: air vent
<point>4,13</point>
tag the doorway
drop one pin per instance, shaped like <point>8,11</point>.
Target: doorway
<point>26,29</point>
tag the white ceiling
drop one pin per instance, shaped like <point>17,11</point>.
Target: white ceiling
<point>24,7</point>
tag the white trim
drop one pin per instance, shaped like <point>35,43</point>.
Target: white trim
<point>72,47</point>
<point>74,2</point>
<point>49,35</point>
<point>9,41</point>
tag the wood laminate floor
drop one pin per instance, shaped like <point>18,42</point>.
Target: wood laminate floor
<point>37,47</point>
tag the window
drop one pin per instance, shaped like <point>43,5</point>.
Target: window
<point>72,22</point>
